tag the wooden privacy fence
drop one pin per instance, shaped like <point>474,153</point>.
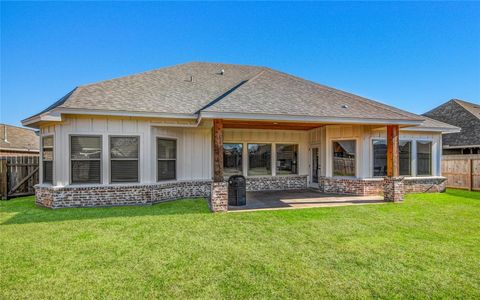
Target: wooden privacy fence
<point>18,176</point>
<point>462,171</point>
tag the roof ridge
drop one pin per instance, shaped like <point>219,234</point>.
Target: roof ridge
<point>349,95</point>
<point>229,91</point>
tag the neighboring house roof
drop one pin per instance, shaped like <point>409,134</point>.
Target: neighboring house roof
<point>225,90</point>
<point>13,138</point>
<point>463,114</point>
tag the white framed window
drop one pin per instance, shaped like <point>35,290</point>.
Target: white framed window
<point>232,159</point>
<point>259,159</point>
<point>405,158</point>
<point>47,159</point>
<point>379,149</point>
<point>286,159</point>
<point>124,158</point>
<point>344,158</point>
<point>424,158</point>
<point>166,159</point>
<point>85,159</point>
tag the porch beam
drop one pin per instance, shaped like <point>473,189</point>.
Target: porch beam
<point>218,150</point>
<point>392,151</point>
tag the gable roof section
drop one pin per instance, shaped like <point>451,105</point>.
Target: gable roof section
<point>463,114</point>
<point>196,88</point>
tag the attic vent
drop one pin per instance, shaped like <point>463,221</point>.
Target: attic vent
<point>222,71</point>
<point>344,106</point>
<point>190,78</point>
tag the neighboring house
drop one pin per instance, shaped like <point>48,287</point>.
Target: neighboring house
<point>180,131</point>
<point>462,114</point>
<point>18,141</point>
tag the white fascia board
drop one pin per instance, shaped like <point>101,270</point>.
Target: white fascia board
<point>55,115</point>
<point>443,130</point>
<point>336,120</point>
<point>41,118</point>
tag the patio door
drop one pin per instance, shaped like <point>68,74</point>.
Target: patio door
<point>315,160</point>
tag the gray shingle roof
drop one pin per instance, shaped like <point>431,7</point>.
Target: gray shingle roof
<point>241,89</point>
<point>462,114</point>
<point>18,138</point>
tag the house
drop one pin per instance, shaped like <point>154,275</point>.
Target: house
<point>178,132</point>
<point>18,141</point>
<point>465,115</point>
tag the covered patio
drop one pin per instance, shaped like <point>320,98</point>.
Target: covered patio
<point>305,198</point>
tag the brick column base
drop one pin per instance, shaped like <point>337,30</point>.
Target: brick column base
<point>219,197</point>
<point>393,189</point>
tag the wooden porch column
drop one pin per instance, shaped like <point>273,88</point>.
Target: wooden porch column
<point>392,151</point>
<point>217,150</point>
<point>393,186</point>
<point>219,192</point>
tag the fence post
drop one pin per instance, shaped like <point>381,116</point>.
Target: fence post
<point>3,179</point>
<point>470,174</point>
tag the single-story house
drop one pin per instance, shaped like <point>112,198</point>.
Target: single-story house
<point>465,115</point>
<point>18,141</point>
<point>180,131</point>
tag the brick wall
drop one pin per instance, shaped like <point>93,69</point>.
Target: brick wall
<point>272,183</point>
<point>425,185</point>
<point>351,186</point>
<point>375,186</point>
<point>116,195</point>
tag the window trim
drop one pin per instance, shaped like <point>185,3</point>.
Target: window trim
<point>356,156</point>
<point>276,159</point>
<point>127,159</point>
<point>53,157</point>
<point>243,158</point>
<point>70,158</point>
<point>157,159</point>
<point>272,159</point>
<point>416,157</point>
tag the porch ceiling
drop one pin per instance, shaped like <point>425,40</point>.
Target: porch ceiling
<point>243,124</point>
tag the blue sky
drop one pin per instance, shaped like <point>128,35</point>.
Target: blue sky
<point>411,55</point>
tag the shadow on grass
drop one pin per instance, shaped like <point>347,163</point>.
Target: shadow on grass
<point>24,210</point>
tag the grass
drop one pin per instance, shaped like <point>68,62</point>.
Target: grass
<point>427,247</point>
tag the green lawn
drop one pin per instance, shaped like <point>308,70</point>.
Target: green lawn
<point>427,247</point>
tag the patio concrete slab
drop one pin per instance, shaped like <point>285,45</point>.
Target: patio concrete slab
<point>307,198</point>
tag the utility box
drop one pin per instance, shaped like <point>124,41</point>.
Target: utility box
<point>237,190</point>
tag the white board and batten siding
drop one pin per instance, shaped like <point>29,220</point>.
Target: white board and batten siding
<point>193,146</point>
<point>364,136</point>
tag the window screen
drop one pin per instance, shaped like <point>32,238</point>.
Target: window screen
<point>166,159</point>
<point>124,159</point>
<point>85,157</point>
<point>47,159</point>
